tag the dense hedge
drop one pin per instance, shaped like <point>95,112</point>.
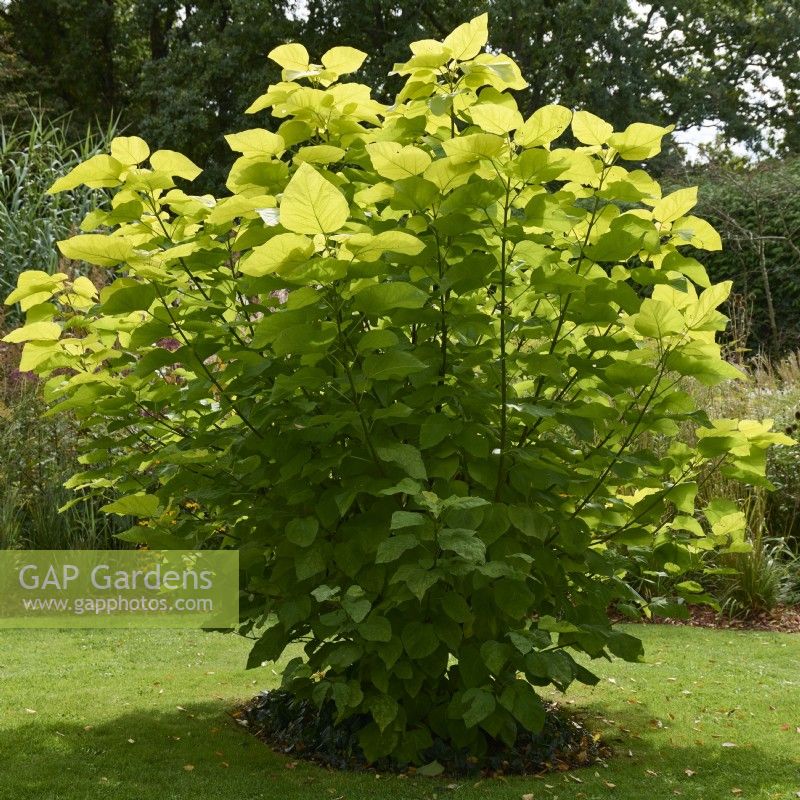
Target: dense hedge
<point>752,208</point>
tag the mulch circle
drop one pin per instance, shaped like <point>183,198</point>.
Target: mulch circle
<point>783,619</point>
<point>296,728</point>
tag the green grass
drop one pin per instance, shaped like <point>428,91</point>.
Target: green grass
<point>119,715</point>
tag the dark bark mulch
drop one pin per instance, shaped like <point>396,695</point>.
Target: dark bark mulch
<point>783,619</point>
<point>296,728</point>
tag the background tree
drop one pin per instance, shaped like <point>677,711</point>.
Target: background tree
<point>190,90</point>
<point>73,47</point>
<point>15,75</point>
<point>689,61</point>
<point>733,62</point>
<point>170,68</point>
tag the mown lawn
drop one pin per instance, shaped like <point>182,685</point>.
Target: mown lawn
<point>138,715</point>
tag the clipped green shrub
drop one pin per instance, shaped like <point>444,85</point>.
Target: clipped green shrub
<point>406,367</point>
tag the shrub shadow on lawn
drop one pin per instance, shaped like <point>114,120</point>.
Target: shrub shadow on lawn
<point>178,754</point>
<point>137,754</point>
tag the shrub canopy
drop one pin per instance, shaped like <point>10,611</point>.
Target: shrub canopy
<point>424,367</point>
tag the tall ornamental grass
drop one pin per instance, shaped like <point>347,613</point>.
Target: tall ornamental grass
<point>33,150</point>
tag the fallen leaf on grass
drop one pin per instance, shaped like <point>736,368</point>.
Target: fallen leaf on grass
<point>30,711</point>
<point>689,773</point>
<point>188,767</point>
<point>728,744</point>
<point>527,797</point>
<point>737,792</point>
<point>431,770</point>
<point>651,773</point>
<point>610,785</point>
<point>131,741</point>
